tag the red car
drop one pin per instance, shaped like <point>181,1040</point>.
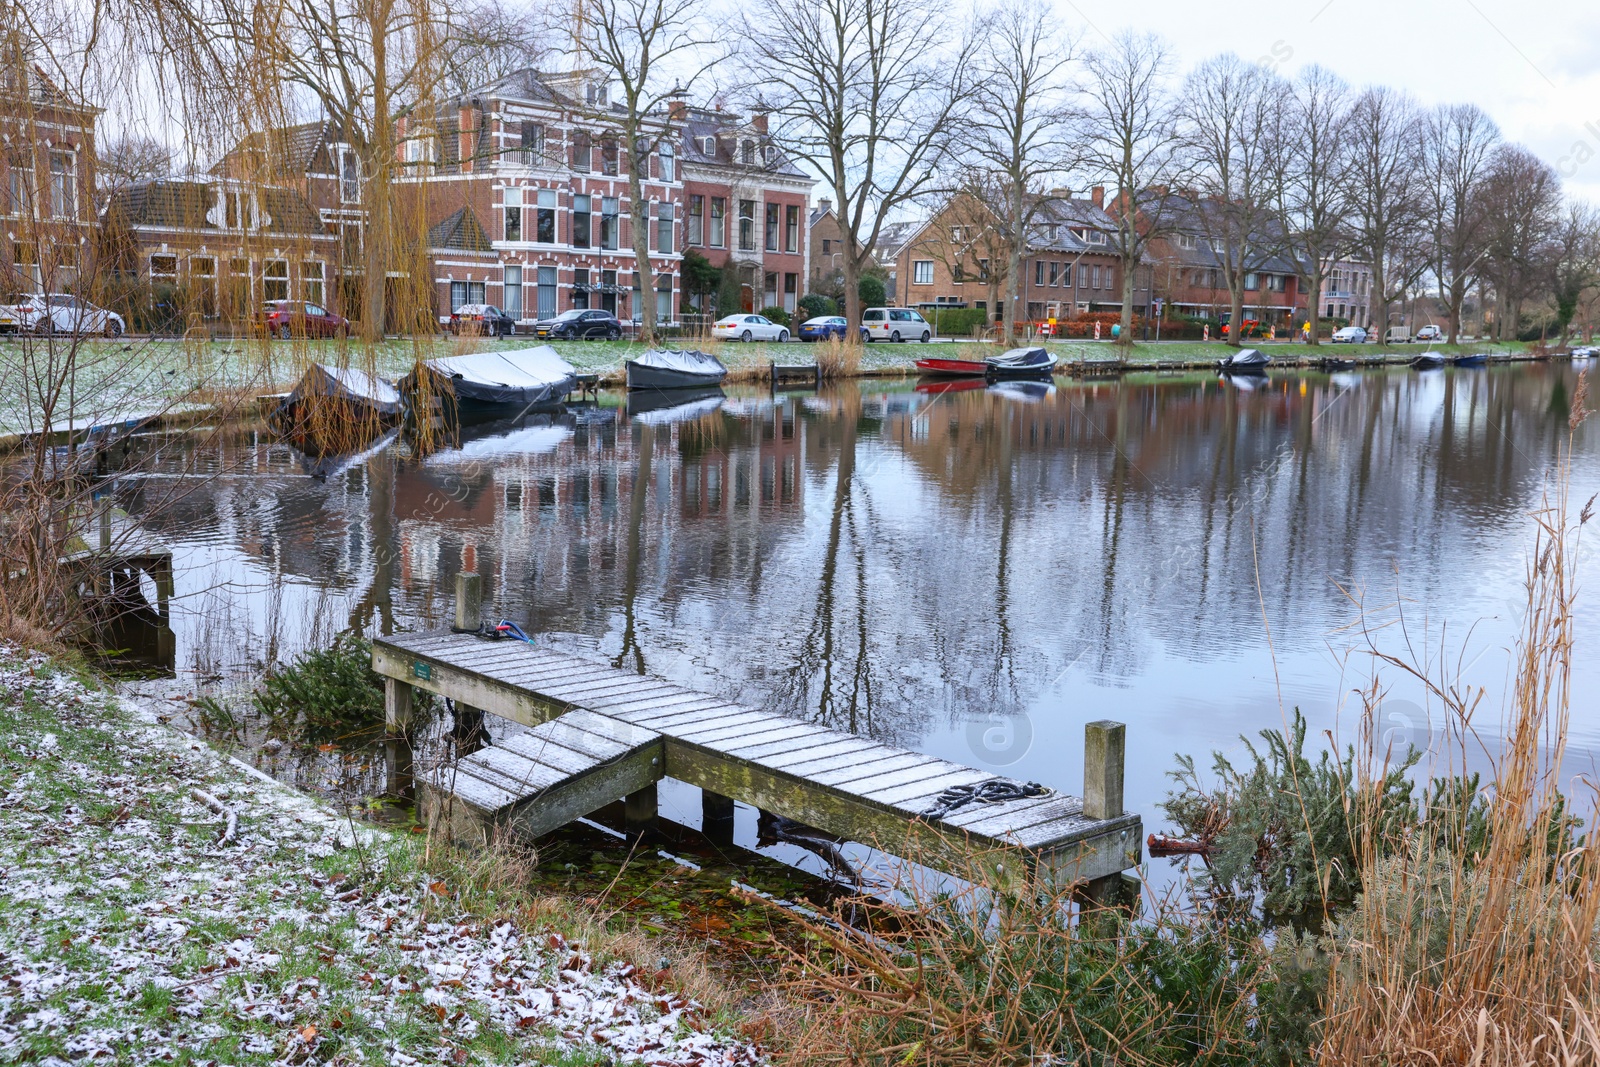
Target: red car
<point>299,318</point>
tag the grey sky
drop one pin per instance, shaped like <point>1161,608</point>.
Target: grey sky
<point>1533,65</point>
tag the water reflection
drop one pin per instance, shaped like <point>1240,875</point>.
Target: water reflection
<point>973,572</point>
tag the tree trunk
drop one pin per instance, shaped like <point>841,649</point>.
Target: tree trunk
<point>639,213</point>
<point>1457,294</point>
<point>380,217</point>
<point>1314,300</point>
<point>1013,266</point>
<point>1129,278</point>
<point>1236,317</point>
<point>1380,296</point>
<point>852,289</point>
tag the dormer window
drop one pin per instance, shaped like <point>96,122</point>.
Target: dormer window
<point>747,153</point>
<point>708,146</point>
<point>771,154</point>
<point>1188,241</point>
<point>1096,237</point>
<point>597,94</point>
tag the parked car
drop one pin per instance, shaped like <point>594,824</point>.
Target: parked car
<point>1396,335</point>
<point>59,313</point>
<point>300,318</point>
<point>481,320</point>
<point>1430,333</point>
<point>895,324</point>
<point>823,328</point>
<point>580,324</point>
<point>1350,335</point>
<point>748,328</point>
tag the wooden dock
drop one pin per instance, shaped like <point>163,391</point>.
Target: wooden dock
<point>799,373</point>
<point>600,734</point>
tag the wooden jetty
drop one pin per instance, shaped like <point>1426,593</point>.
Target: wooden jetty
<point>801,373</point>
<point>600,734</point>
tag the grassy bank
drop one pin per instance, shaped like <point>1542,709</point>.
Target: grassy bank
<point>140,925</point>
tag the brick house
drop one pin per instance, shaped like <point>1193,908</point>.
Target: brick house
<point>48,149</point>
<point>746,204</point>
<point>211,251</point>
<point>1190,278</point>
<point>1347,292</point>
<point>825,239</point>
<point>320,164</point>
<point>958,257</point>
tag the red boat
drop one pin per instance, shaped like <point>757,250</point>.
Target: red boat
<point>953,368</point>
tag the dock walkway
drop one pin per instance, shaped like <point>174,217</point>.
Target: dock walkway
<point>600,734</point>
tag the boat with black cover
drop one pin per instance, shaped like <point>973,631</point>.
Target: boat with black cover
<point>1430,360</point>
<point>1244,361</point>
<point>668,368</point>
<point>334,410</point>
<point>492,384</point>
<point>1020,363</point>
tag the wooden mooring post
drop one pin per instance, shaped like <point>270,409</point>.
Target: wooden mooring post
<point>469,731</point>
<point>1105,746</point>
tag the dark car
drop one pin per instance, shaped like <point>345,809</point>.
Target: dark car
<point>581,324</point>
<point>823,328</point>
<point>301,318</point>
<point>481,320</point>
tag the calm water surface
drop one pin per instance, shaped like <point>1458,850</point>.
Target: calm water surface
<point>974,573</point>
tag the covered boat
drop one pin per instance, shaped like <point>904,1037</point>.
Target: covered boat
<point>335,410</point>
<point>490,384</point>
<point>1474,359</point>
<point>1017,362</point>
<point>1245,361</point>
<point>1429,360</point>
<point>667,368</point>
<point>953,368</point>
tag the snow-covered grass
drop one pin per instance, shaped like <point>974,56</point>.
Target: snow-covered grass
<point>133,931</point>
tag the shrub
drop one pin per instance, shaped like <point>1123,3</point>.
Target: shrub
<point>872,292</point>
<point>776,314</point>
<point>816,306</point>
<point>957,322</point>
<point>331,693</point>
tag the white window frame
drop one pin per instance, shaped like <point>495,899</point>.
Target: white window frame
<point>922,272</point>
<point>313,281</point>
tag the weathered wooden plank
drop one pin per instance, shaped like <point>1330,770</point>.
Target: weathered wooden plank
<point>475,690</point>
<point>633,710</point>
<point>551,683</point>
<point>480,794</point>
<point>719,735</point>
<point>533,675</point>
<point>854,775</point>
<point>659,691</point>
<point>541,749</point>
<point>914,796</point>
<point>593,693</point>
<point>742,745</point>
<point>797,749</point>
<point>1011,812</point>
<point>520,777</point>
<point>732,715</point>
<point>623,733</point>
<point>861,756</point>
<point>582,794</point>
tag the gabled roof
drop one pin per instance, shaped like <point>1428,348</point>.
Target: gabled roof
<point>894,236</point>
<point>35,89</point>
<point>1056,222</point>
<point>289,150</point>
<point>460,232</point>
<point>179,204</point>
<point>1185,215</point>
<point>529,84</point>
<point>724,131</point>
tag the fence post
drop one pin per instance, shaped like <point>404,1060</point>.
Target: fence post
<point>469,601</point>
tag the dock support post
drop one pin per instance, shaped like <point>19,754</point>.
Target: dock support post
<point>469,601</point>
<point>716,818</point>
<point>1104,755</point>
<point>639,811</point>
<point>397,707</point>
<point>469,732</point>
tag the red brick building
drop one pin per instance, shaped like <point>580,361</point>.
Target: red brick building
<point>1189,274</point>
<point>46,186</point>
<point>746,205</point>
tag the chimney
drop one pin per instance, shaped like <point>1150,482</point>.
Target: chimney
<point>824,205</point>
<point>759,121</point>
<point>1098,195</point>
<point>677,110</point>
<point>1061,193</point>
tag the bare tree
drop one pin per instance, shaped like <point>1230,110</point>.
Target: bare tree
<point>1316,206</point>
<point>1018,132</point>
<point>1459,142</point>
<point>1131,143</point>
<point>128,160</point>
<point>638,45</point>
<point>1574,261</point>
<point>1521,204</point>
<point>867,93</point>
<point>1385,191</point>
<point>1230,112</point>
<point>491,41</point>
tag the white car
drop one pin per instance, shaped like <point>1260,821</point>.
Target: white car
<point>61,313</point>
<point>748,328</point>
<point>1430,333</point>
<point>895,324</point>
<point>1350,335</point>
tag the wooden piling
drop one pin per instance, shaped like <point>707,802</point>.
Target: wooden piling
<point>639,811</point>
<point>397,707</point>
<point>716,818</point>
<point>1104,753</point>
<point>469,601</point>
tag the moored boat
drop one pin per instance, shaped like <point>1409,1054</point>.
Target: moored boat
<point>1020,362</point>
<point>665,368</point>
<point>953,368</point>
<point>1244,361</point>
<point>333,410</point>
<point>1429,360</point>
<point>1336,363</point>
<point>492,384</point>
<point>1475,359</point>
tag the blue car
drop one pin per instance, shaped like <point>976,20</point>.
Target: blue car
<point>823,328</point>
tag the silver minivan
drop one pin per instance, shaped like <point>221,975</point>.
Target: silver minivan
<point>895,324</point>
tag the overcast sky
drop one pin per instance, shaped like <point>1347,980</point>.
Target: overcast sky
<point>1533,65</point>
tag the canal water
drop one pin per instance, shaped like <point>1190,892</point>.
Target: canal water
<point>975,572</point>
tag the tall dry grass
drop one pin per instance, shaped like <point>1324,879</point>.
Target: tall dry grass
<point>1476,944</point>
<point>838,358</point>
